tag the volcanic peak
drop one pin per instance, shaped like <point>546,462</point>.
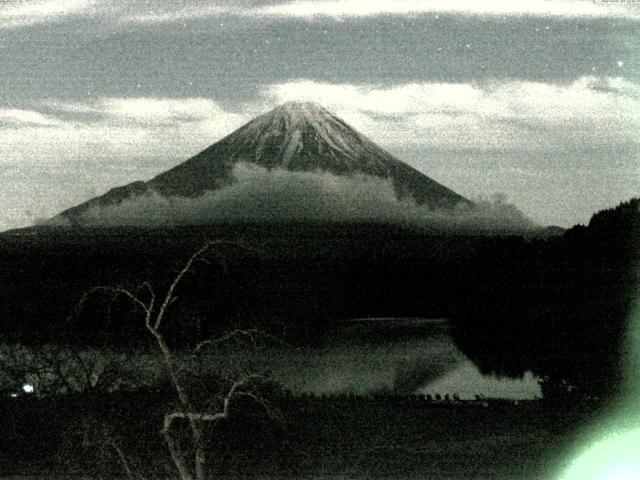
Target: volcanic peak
<point>296,136</point>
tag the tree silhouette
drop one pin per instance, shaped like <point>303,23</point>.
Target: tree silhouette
<point>190,462</point>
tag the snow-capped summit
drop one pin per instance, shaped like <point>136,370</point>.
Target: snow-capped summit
<point>305,136</point>
<point>297,136</point>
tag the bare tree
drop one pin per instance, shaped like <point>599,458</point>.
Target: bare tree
<point>191,463</point>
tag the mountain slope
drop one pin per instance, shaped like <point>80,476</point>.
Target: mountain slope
<point>296,137</point>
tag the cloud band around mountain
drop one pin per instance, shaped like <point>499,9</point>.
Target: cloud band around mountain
<point>278,195</point>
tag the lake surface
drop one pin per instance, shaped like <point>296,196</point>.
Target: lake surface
<point>366,356</point>
<point>402,355</point>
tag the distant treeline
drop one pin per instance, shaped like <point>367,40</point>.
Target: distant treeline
<point>560,307</point>
<point>288,277</point>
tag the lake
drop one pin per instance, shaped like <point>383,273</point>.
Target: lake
<point>390,355</point>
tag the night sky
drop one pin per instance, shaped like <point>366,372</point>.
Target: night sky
<point>536,100</point>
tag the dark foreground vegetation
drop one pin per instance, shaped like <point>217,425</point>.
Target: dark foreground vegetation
<point>117,436</point>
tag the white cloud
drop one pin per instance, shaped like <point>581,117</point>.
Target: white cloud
<point>18,117</point>
<point>183,14</point>
<point>117,130</point>
<point>148,110</point>
<point>20,13</point>
<point>590,111</point>
<point>311,9</point>
<point>361,8</point>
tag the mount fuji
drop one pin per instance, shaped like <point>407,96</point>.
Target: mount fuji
<point>296,137</point>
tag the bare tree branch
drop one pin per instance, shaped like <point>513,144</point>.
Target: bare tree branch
<point>153,320</point>
<point>170,292</point>
<point>252,334</point>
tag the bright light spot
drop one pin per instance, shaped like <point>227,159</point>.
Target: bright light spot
<point>615,458</point>
<point>27,388</point>
<point>620,63</point>
<point>14,395</point>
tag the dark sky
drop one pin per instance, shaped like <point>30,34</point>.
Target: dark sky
<point>534,99</point>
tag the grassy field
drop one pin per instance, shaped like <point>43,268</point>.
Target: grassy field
<point>315,437</point>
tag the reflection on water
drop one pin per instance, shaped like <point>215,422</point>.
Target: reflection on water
<point>394,355</point>
<point>467,381</point>
<point>402,366</point>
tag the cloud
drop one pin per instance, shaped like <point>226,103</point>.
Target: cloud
<point>22,13</point>
<point>276,195</point>
<point>166,15</point>
<point>18,117</point>
<point>590,111</point>
<point>341,9</point>
<point>117,130</point>
<point>147,110</point>
<point>364,8</point>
